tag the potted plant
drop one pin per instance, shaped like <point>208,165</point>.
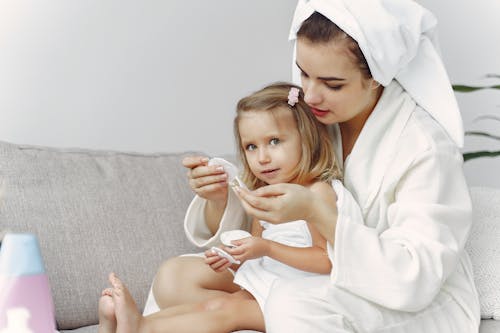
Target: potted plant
<point>480,153</point>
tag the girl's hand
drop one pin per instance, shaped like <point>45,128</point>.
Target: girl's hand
<point>218,264</point>
<point>209,182</point>
<point>279,203</point>
<point>249,248</point>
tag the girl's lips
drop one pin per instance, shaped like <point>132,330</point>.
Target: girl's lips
<point>270,172</point>
<point>319,113</point>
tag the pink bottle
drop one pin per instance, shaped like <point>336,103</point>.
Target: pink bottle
<point>25,299</point>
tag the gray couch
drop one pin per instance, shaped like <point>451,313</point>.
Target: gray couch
<point>99,211</point>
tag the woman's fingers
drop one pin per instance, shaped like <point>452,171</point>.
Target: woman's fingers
<point>256,202</point>
<point>274,190</point>
<point>277,203</point>
<point>250,209</point>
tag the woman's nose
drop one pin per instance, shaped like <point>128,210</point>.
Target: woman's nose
<point>312,95</point>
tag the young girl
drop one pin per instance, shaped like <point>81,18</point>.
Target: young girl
<point>279,141</point>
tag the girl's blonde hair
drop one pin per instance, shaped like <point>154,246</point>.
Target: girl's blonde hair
<point>318,160</point>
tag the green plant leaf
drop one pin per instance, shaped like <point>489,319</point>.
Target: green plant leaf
<point>477,154</point>
<point>496,76</point>
<point>487,117</point>
<point>488,135</point>
<point>465,89</point>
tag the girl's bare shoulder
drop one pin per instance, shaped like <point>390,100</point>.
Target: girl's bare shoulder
<point>324,189</point>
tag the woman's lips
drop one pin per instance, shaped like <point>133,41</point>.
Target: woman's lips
<point>319,113</point>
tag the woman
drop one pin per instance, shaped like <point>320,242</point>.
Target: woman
<point>371,70</point>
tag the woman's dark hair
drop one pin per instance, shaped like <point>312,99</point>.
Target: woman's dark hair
<point>319,29</point>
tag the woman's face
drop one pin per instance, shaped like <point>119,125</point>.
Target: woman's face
<point>334,86</point>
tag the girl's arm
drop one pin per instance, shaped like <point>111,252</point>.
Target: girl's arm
<point>311,259</point>
<point>256,229</point>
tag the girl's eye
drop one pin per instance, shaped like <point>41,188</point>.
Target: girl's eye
<point>250,147</point>
<point>274,141</point>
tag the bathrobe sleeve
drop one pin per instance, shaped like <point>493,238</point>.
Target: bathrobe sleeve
<point>423,220</point>
<point>197,232</point>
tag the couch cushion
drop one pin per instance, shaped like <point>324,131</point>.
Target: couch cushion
<point>483,247</point>
<point>95,212</point>
<point>489,326</point>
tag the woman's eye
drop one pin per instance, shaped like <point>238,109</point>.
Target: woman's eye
<point>334,87</point>
<point>274,141</point>
<point>250,147</point>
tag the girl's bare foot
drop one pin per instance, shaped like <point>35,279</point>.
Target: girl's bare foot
<point>128,317</point>
<point>107,318</point>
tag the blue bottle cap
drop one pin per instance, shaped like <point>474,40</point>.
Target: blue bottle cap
<point>20,255</point>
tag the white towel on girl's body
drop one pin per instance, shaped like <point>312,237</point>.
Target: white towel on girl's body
<point>258,275</point>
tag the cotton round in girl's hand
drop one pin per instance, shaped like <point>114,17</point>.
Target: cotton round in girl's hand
<point>231,170</point>
<point>227,236</point>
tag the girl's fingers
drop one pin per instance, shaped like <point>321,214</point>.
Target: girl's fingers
<point>191,162</point>
<point>204,171</point>
<point>219,264</point>
<point>224,267</point>
<point>235,250</point>
<point>197,183</point>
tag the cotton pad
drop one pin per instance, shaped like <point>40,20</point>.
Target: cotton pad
<point>231,170</point>
<point>227,236</point>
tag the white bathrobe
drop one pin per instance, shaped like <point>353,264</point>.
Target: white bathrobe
<point>398,259</point>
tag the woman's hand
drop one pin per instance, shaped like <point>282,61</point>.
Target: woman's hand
<point>249,248</point>
<point>281,203</point>
<point>209,182</point>
<point>278,203</point>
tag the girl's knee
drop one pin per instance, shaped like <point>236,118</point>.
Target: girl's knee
<point>168,268</point>
<point>227,303</point>
<point>218,303</point>
<point>169,281</point>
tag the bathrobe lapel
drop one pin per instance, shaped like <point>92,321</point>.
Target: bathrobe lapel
<point>365,167</point>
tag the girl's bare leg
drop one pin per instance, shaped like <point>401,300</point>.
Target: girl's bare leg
<point>186,279</point>
<point>179,281</point>
<point>224,314</point>
<point>230,315</point>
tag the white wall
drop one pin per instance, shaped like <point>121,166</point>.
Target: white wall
<point>136,75</point>
<point>165,75</point>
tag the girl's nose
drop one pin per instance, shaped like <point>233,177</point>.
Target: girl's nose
<point>264,156</point>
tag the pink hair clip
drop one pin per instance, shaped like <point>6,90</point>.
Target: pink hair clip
<point>293,96</point>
